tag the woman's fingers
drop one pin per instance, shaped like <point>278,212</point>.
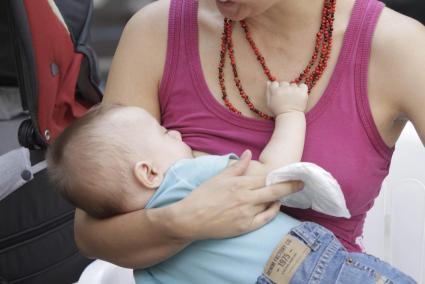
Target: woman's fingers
<point>266,215</point>
<point>259,208</point>
<point>240,167</point>
<point>276,191</point>
<point>230,203</point>
<point>248,183</point>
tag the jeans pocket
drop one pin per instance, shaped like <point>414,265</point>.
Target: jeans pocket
<point>353,271</point>
<point>384,272</point>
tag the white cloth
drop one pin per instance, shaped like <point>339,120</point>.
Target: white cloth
<point>321,191</point>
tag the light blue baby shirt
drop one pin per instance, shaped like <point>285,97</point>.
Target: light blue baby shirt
<point>234,260</point>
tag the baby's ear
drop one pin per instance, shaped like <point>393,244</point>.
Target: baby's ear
<point>147,175</point>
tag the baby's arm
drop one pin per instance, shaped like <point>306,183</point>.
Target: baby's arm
<point>288,103</point>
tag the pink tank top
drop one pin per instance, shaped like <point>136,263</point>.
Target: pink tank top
<point>341,134</point>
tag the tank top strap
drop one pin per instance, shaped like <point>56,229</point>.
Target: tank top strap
<point>182,21</point>
<point>362,52</point>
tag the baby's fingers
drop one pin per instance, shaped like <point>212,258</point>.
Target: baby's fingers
<point>303,87</point>
<point>268,92</point>
<point>238,168</point>
<point>284,84</point>
<point>274,85</point>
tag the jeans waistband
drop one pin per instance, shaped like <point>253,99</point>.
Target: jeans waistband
<point>323,247</point>
<point>312,234</point>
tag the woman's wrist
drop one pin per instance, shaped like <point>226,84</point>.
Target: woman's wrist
<point>169,221</point>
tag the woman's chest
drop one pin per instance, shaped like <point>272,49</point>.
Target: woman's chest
<point>286,61</point>
<point>341,146</point>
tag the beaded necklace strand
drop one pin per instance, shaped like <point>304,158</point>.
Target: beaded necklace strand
<point>310,75</point>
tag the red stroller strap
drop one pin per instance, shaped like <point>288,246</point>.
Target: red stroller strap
<point>57,69</point>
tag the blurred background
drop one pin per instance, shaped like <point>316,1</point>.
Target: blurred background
<point>110,17</point>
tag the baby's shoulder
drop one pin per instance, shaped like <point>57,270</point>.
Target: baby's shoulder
<point>196,171</point>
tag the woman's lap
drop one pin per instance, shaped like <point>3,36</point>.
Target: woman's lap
<point>327,262</point>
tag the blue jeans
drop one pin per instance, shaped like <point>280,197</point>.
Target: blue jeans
<point>325,260</point>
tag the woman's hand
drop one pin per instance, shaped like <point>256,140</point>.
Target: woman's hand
<point>229,204</point>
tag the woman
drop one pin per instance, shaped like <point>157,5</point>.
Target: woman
<point>369,83</point>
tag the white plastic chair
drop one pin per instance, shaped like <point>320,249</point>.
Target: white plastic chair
<point>395,227</point>
<point>102,272</point>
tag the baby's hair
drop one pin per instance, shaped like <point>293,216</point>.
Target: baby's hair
<point>88,163</point>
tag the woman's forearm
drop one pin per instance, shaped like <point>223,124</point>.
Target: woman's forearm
<point>146,237</point>
<point>136,240</point>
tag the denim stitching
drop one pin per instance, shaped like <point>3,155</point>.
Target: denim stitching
<point>323,262</point>
<point>310,233</point>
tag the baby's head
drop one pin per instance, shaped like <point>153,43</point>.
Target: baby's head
<point>112,159</point>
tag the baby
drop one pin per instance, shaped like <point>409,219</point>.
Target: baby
<point>119,159</point>
<point>113,159</point>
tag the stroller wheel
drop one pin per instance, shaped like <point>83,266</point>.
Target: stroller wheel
<point>28,137</point>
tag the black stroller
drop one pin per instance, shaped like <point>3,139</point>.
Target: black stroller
<point>48,78</point>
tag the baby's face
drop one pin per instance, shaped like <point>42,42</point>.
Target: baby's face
<point>164,147</point>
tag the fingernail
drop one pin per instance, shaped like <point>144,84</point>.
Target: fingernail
<point>245,153</point>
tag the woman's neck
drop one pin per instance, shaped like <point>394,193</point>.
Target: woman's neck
<point>288,19</point>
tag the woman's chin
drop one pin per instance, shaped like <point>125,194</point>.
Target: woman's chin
<point>229,9</point>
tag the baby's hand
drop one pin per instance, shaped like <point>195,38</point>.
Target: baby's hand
<point>284,97</point>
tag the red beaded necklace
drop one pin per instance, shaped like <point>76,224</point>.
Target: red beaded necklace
<point>310,75</point>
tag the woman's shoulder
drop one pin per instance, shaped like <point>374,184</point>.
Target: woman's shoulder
<point>397,41</point>
<point>397,35</point>
<point>399,30</point>
<point>138,62</point>
<point>396,63</point>
<point>152,17</point>
<point>397,48</point>
<point>147,29</point>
